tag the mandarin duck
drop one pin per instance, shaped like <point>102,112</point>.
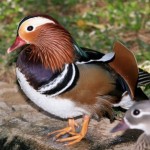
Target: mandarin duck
<point>137,117</point>
<point>68,81</point>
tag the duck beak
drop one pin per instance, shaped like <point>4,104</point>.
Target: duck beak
<point>18,43</point>
<point>120,126</point>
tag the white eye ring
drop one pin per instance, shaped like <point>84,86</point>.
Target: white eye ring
<point>136,112</point>
<point>139,113</point>
<point>30,28</point>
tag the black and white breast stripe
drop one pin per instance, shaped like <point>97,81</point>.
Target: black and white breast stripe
<point>94,56</point>
<point>144,78</point>
<point>66,80</point>
<point>105,58</point>
<point>68,77</point>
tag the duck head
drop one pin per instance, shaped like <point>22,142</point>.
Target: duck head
<point>137,117</point>
<point>48,41</point>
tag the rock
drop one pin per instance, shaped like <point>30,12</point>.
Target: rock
<point>24,127</point>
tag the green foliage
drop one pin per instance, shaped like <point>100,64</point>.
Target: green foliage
<point>94,24</point>
<point>100,22</point>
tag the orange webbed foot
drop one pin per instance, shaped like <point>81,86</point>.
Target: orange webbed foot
<point>75,137</point>
<point>68,130</point>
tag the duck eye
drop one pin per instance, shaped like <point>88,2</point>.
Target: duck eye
<point>30,28</point>
<point>136,112</point>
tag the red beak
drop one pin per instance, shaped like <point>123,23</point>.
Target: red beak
<point>18,43</point>
<point>119,127</point>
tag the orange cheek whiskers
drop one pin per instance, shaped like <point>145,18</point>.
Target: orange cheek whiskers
<point>53,47</point>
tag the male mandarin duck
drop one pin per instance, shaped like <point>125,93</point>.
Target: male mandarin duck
<point>68,81</point>
<point>137,117</point>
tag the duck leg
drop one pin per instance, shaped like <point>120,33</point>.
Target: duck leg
<point>70,129</point>
<point>77,137</point>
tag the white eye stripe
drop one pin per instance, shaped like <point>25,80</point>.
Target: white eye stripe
<point>36,21</point>
<point>141,114</point>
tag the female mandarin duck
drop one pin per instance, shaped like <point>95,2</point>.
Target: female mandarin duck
<point>67,81</point>
<point>138,117</point>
